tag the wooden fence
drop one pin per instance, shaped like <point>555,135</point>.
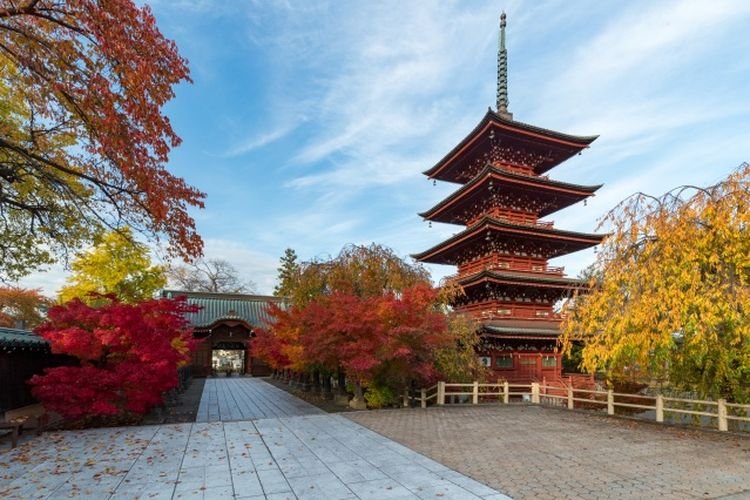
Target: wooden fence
<point>444,393</point>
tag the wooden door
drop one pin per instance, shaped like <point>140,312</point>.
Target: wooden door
<point>529,367</point>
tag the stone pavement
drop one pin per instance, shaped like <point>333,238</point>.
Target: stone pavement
<point>246,398</point>
<point>536,452</point>
<point>314,456</point>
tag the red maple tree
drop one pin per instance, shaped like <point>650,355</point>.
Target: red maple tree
<point>129,355</point>
<point>389,338</point>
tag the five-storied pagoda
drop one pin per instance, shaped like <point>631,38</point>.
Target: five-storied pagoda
<point>503,252</point>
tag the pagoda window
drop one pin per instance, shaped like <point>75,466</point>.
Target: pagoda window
<point>485,361</point>
<point>504,312</point>
<point>542,313</point>
<point>549,361</point>
<point>503,362</point>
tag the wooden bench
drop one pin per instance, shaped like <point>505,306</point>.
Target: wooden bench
<point>14,429</point>
<point>14,421</point>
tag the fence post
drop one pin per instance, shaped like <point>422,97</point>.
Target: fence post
<point>423,402</point>
<point>610,402</point>
<point>406,398</point>
<point>441,393</point>
<point>506,392</point>
<point>723,415</point>
<point>570,397</point>
<point>659,408</point>
<point>475,393</point>
<point>535,393</point>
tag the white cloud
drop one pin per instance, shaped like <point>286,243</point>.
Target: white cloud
<point>49,279</point>
<point>262,139</point>
<point>385,111</point>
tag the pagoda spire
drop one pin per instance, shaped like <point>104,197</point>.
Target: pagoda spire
<point>502,73</point>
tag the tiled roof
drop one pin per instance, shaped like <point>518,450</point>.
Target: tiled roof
<point>510,330</point>
<point>493,117</point>
<point>510,230</point>
<point>523,277</point>
<point>12,337</point>
<point>226,306</point>
<point>559,194</point>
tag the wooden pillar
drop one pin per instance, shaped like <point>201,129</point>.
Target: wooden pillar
<point>248,360</point>
<point>722,410</point>
<point>570,397</point>
<point>441,393</point>
<point>475,393</point>
<point>535,393</point>
<point>506,392</point>
<point>539,366</point>
<point>660,408</point>
<point>610,402</point>
<point>423,398</point>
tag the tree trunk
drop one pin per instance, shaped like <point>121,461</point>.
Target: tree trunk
<point>342,397</point>
<point>316,381</point>
<point>326,388</point>
<point>358,401</point>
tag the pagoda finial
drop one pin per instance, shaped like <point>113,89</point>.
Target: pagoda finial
<point>502,73</point>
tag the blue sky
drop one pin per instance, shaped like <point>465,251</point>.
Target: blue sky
<point>309,123</point>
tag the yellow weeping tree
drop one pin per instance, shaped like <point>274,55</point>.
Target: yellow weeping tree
<point>670,296</point>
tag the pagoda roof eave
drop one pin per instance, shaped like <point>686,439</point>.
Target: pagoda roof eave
<point>580,142</point>
<point>521,278</point>
<point>487,222</point>
<point>517,179</point>
<point>512,328</point>
<point>502,331</point>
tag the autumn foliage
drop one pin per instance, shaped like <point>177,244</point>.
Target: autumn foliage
<point>370,315</point>
<point>117,265</point>
<point>671,291</point>
<point>83,139</point>
<point>22,306</point>
<point>384,338</point>
<point>129,355</point>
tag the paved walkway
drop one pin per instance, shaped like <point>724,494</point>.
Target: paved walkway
<point>535,452</point>
<point>229,399</point>
<point>314,456</point>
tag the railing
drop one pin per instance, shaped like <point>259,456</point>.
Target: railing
<point>512,217</point>
<point>492,309</point>
<point>506,263</point>
<point>565,395</point>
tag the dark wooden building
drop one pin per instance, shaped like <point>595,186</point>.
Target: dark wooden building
<point>225,325</point>
<point>23,354</point>
<point>502,253</point>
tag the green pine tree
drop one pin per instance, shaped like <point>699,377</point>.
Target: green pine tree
<point>289,271</point>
